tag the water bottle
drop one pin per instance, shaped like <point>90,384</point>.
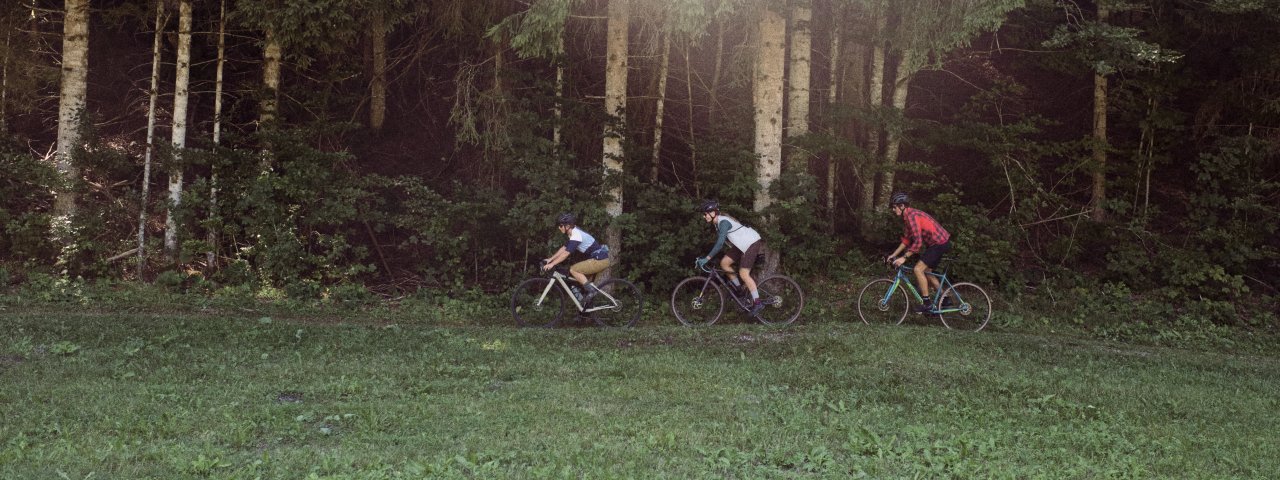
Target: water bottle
<point>577,292</point>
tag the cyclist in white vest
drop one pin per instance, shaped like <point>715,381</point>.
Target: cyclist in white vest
<point>589,256</point>
<point>746,243</point>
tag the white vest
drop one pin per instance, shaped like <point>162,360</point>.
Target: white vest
<point>740,236</point>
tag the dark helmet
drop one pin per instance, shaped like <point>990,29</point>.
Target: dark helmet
<point>899,198</point>
<point>566,218</point>
<point>709,206</point>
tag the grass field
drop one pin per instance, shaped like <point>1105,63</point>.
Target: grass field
<point>87,394</point>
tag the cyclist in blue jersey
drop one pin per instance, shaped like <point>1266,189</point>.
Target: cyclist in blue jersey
<point>745,243</point>
<point>589,256</point>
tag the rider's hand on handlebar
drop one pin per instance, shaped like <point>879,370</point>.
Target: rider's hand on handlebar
<point>701,261</point>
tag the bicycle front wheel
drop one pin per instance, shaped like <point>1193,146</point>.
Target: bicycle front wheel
<point>877,305</point>
<point>625,308</point>
<point>697,302</point>
<point>534,305</point>
<point>965,306</point>
<point>782,298</point>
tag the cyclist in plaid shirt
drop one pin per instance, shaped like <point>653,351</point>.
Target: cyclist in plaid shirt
<point>919,231</point>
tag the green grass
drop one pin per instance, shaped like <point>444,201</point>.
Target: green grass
<point>238,395</point>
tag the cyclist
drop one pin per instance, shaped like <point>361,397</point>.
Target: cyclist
<point>590,257</point>
<point>919,232</point>
<point>746,243</point>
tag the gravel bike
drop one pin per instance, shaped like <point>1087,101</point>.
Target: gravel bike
<point>542,301</point>
<point>961,306</point>
<point>699,300</point>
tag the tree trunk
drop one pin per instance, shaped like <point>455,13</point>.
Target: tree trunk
<point>211,257</point>
<point>4,83</point>
<point>875,102</point>
<point>833,88</point>
<point>713,103</point>
<point>801,51</point>
<point>378,85</point>
<point>661,106</point>
<point>766,94</point>
<point>271,53</point>
<point>71,108</point>
<point>615,105</point>
<point>151,128</point>
<point>558,109</point>
<point>182,78</point>
<point>893,138</point>
<point>1098,200</point>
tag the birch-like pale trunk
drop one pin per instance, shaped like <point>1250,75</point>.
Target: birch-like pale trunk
<point>615,106</point>
<point>766,94</point>
<point>71,109</point>
<point>4,83</point>
<point>557,111</point>
<point>893,137</point>
<point>833,89</point>
<point>182,78</point>
<point>875,102</point>
<point>693,144</point>
<point>271,54</point>
<point>211,257</point>
<point>1098,199</point>
<point>154,95</point>
<point>798,81</point>
<point>378,84</point>
<point>663,67</point>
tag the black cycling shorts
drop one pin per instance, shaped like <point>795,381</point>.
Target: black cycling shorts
<point>746,259</point>
<point>933,255</point>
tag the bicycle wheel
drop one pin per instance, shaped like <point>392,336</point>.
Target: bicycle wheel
<point>527,309</point>
<point>697,302</point>
<point>970,307</point>
<point>625,308</point>
<point>877,307</point>
<point>783,299</point>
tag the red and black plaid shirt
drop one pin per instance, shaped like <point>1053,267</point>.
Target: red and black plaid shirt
<point>919,230</point>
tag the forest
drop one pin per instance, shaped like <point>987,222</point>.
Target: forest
<point>1124,152</point>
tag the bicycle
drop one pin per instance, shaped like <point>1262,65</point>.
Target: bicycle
<point>537,302</point>
<point>699,300</point>
<point>961,306</point>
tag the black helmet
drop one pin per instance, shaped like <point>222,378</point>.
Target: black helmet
<point>899,198</point>
<point>566,218</point>
<point>709,206</point>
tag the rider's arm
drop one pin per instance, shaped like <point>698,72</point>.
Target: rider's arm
<point>557,257</point>
<point>722,232</point>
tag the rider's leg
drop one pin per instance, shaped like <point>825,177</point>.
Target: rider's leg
<point>745,274</point>
<point>726,264</point>
<point>922,279</point>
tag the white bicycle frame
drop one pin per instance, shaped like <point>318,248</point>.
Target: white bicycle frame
<point>558,278</point>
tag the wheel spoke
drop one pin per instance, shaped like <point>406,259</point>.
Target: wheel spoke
<point>966,307</point>
<point>531,308</point>
<point>783,300</point>
<point>697,302</point>
<point>621,307</point>
<point>881,302</point>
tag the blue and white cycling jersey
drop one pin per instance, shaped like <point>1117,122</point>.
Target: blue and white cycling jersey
<point>585,245</point>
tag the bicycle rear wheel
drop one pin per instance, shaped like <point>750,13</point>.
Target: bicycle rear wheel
<point>969,309</point>
<point>876,306</point>
<point>697,302</point>
<point>625,308</point>
<point>783,299</point>
<point>529,311</point>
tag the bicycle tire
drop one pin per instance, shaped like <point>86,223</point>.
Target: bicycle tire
<point>972,309</point>
<point>783,300</point>
<point>528,313</point>
<point>695,306</point>
<point>630,304</point>
<point>876,309</point>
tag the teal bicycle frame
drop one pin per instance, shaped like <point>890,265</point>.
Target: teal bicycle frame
<point>906,276</point>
